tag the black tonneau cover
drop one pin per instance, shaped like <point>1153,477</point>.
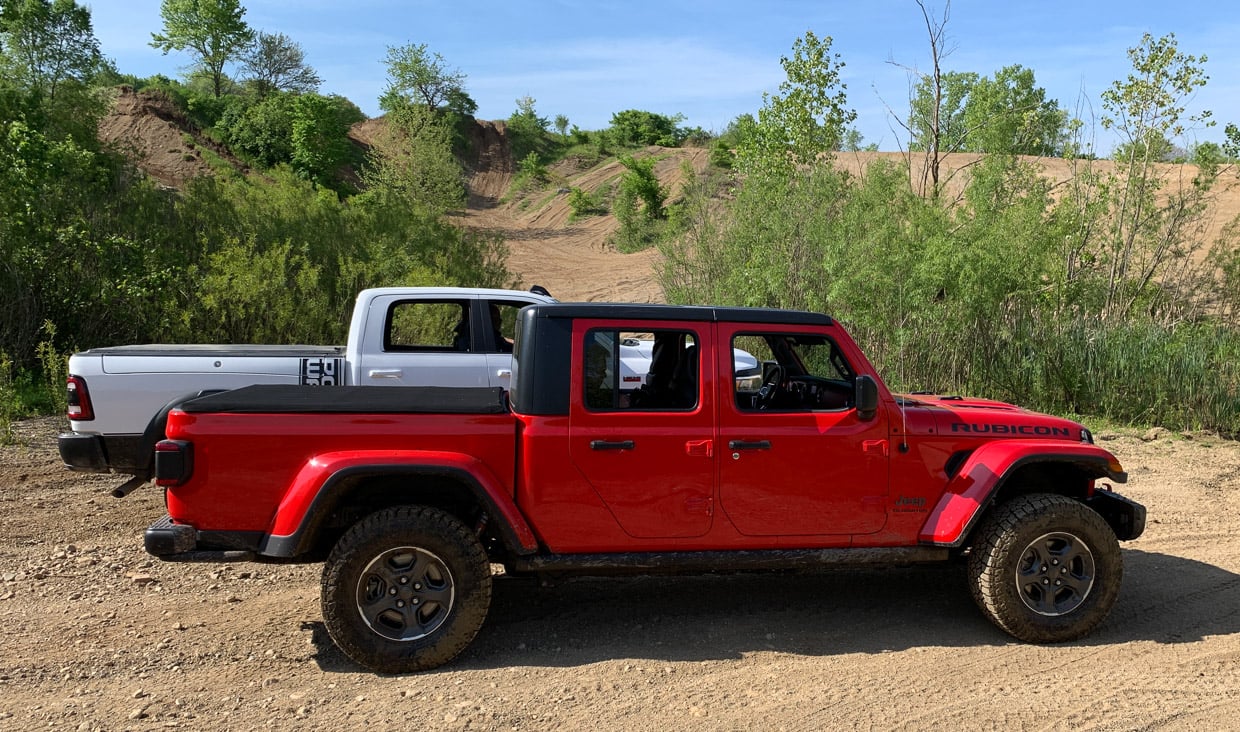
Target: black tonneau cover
<point>293,399</point>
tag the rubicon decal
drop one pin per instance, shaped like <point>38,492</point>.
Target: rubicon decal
<point>1026,430</point>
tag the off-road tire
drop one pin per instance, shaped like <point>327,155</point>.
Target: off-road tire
<point>1045,568</point>
<point>405,589</point>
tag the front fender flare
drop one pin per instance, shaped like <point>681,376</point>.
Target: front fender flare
<point>321,485</point>
<point>972,489</point>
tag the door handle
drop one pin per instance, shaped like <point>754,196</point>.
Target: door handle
<point>504,373</point>
<point>609,445</point>
<point>749,445</point>
<point>385,373</point>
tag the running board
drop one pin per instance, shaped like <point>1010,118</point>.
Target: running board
<point>729,561</point>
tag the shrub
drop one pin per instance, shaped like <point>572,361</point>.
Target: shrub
<point>585,204</point>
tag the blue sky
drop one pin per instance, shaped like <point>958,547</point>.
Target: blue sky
<point>712,61</point>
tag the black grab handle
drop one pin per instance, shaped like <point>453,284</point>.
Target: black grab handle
<point>606,445</point>
<point>749,445</point>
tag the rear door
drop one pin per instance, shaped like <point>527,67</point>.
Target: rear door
<point>647,452</point>
<point>501,321</point>
<point>796,460</point>
<point>427,342</point>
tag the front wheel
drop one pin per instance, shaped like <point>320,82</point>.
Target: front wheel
<point>406,589</point>
<point>1045,568</point>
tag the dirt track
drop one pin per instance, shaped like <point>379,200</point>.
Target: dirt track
<point>97,635</point>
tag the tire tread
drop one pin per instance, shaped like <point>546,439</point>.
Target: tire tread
<point>418,525</point>
<point>1006,533</point>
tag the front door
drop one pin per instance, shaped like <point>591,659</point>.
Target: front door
<point>647,452</point>
<point>795,458</point>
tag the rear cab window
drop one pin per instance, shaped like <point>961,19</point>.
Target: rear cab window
<point>626,370</point>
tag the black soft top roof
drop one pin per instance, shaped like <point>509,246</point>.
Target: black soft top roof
<point>708,313</point>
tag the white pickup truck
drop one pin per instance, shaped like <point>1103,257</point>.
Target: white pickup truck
<point>399,336</point>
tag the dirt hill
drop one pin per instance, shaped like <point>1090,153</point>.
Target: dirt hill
<point>570,258</point>
<point>151,130</point>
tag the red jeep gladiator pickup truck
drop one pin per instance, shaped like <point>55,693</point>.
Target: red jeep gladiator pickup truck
<point>412,493</point>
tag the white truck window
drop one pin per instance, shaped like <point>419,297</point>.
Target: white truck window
<point>422,325</point>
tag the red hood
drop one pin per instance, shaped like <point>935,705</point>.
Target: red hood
<point>986,417</point>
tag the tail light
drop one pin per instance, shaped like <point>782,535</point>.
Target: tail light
<point>78,398</point>
<point>174,462</point>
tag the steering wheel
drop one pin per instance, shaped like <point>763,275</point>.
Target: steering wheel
<point>770,386</point>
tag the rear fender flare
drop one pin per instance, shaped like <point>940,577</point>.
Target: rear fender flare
<point>322,484</point>
<point>156,430</point>
<point>970,492</point>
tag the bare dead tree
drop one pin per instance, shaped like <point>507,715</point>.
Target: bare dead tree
<point>929,172</point>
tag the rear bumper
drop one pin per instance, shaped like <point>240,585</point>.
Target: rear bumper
<point>164,538</point>
<point>83,452</point>
<point>90,453</point>
<point>183,543</point>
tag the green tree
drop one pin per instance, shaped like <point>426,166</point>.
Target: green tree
<point>937,112</point>
<point>639,204</point>
<point>1231,145</point>
<point>1007,114</point>
<point>561,125</point>
<point>277,63</point>
<point>1152,99</point>
<point>261,131</point>
<point>1146,248</point>
<point>806,120</point>
<point>633,127</point>
<point>1011,115</point>
<point>212,30</point>
<point>418,76</point>
<point>412,159</point>
<point>44,43</point>
<point>527,131</point>
<point>320,139</point>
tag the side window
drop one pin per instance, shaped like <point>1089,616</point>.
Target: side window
<point>790,372</point>
<point>503,317</point>
<point>630,371</point>
<point>421,325</point>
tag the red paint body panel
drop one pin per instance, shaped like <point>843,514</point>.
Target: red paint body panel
<point>969,490</point>
<point>824,474</point>
<point>251,469</point>
<point>319,469</point>
<point>658,489</point>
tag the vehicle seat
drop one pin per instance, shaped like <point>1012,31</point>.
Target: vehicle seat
<point>460,334</point>
<point>684,384</point>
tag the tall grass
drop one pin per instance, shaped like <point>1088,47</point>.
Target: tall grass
<point>1185,377</point>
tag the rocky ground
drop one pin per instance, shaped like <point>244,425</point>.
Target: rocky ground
<point>96,635</point>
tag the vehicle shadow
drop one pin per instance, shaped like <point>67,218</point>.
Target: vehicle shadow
<point>1166,599</point>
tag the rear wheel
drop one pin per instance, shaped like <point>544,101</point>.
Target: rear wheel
<point>1045,568</point>
<point>406,589</point>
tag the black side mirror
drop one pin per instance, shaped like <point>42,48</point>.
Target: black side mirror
<point>867,397</point>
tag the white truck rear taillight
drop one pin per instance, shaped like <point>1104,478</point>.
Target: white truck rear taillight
<point>80,409</point>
